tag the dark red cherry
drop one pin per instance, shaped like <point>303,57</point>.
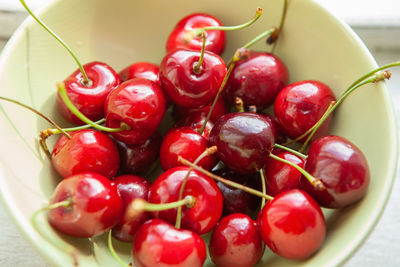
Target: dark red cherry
<point>89,99</point>
<point>244,140</point>
<point>300,105</point>
<point>257,80</point>
<point>279,176</point>
<point>292,225</point>
<point>95,205</point>
<point>237,200</point>
<point>235,242</point>
<point>144,70</point>
<point>203,216</point>
<point>182,35</point>
<point>140,104</point>
<point>85,151</point>
<point>342,168</point>
<point>159,244</point>
<point>138,159</point>
<point>183,85</point>
<point>196,121</point>
<point>280,137</point>
<point>130,187</point>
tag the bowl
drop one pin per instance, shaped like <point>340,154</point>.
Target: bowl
<point>314,44</point>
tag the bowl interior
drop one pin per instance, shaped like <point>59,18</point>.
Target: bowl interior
<point>314,45</point>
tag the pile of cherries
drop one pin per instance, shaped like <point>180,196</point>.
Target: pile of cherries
<point>221,159</point>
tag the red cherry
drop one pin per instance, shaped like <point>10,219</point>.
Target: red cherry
<point>140,104</point>
<point>342,168</point>
<point>138,159</point>
<point>300,105</point>
<point>292,225</point>
<point>208,206</point>
<point>196,121</point>
<point>95,205</point>
<point>158,243</point>
<point>244,140</point>
<point>280,137</point>
<point>279,176</point>
<point>183,85</point>
<point>235,241</point>
<point>182,35</point>
<point>85,151</point>
<point>89,99</point>
<point>130,187</point>
<point>257,80</point>
<point>187,143</point>
<point>144,70</point>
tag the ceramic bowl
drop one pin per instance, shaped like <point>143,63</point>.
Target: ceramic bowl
<point>314,44</point>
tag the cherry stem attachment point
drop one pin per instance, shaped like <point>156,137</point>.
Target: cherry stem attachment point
<point>318,185</point>
<point>86,80</point>
<point>223,180</point>
<point>113,252</point>
<point>197,66</point>
<point>239,105</point>
<point>64,96</point>
<point>263,186</point>
<point>301,155</point>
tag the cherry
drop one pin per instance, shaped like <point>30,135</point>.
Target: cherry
<point>140,104</point>
<point>85,151</point>
<point>244,140</point>
<point>281,177</point>
<point>158,243</point>
<point>94,205</point>
<point>182,36</point>
<point>280,137</point>
<point>130,187</point>
<point>138,159</point>
<point>342,168</point>
<point>292,225</point>
<point>196,121</point>
<point>143,70</point>
<point>257,79</point>
<point>205,213</point>
<point>184,85</point>
<point>235,241</point>
<point>300,105</point>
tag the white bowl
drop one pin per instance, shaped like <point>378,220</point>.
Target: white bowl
<point>314,45</point>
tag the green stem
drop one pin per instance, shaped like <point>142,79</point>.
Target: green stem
<point>281,23</point>
<point>197,66</point>
<point>301,155</point>
<point>314,181</point>
<point>113,252</point>
<point>239,105</point>
<point>85,77</point>
<point>259,37</point>
<point>63,94</point>
<point>263,187</point>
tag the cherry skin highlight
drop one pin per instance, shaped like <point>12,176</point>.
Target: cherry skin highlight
<point>89,99</point>
<point>86,151</point>
<point>342,168</point>
<point>158,243</point>
<point>235,242</point>
<point>95,205</point>
<point>182,35</point>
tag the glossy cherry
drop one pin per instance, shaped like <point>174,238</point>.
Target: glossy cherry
<point>183,85</point>
<point>159,244</point>
<point>85,151</point>
<point>236,242</point>
<point>279,176</point>
<point>196,121</point>
<point>203,216</point>
<point>144,70</point>
<point>342,168</point>
<point>292,225</point>
<point>140,104</point>
<point>257,80</point>
<point>182,36</point>
<point>244,140</point>
<point>280,137</point>
<point>90,98</point>
<point>95,205</point>
<point>300,105</point>
<point>138,159</point>
<point>130,187</point>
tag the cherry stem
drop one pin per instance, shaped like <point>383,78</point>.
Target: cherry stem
<point>209,151</point>
<point>260,36</point>
<point>274,37</point>
<point>223,180</point>
<point>318,185</point>
<point>259,11</point>
<point>253,108</point>
<point>288,149</point>
<point>197,66</point>
<point>86,80</point>
<point>263,186</point>
<point>239,105</point>
<point>63,94</point>
<point>113,252</point>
